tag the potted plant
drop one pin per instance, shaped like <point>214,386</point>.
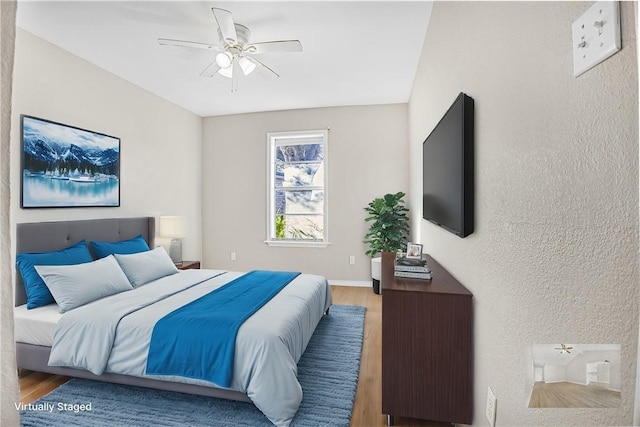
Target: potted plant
<point>388,230</point>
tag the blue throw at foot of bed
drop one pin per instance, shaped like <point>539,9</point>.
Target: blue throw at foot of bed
<point>178,346</point>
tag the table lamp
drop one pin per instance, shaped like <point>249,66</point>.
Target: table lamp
<point>170,227</point>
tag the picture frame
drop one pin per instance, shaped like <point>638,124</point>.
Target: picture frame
<point>414,251</point>
<point>64,166</point>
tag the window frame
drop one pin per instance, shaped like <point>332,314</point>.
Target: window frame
<point>273,140</point>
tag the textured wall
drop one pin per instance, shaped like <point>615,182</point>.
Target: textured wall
<point>161,143</point>
<point>367,158</point>
<point>554,255</point>
<point>636,414</point>
<point>8,378</point>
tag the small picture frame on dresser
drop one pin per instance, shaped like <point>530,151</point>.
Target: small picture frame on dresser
<point>414,251</point>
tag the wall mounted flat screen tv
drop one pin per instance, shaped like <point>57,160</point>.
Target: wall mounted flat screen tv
<point>448,184</point>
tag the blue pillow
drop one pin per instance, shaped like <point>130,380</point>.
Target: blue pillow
<point>123,247</point>
<point>38,294</point>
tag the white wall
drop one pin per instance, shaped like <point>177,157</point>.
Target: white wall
<point>577,370</point>
<point>530,371</point>
<point>603,372</point>
<point>615,368</point>
<point>161,143</point>
<point>615,378</point>
<point>555,373</point>
<point>554,255</point>
<point>367,158</point>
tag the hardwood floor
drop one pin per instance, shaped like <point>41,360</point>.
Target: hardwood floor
<point>570,395</point>
<point>367,408</point>
<point>34,385</point>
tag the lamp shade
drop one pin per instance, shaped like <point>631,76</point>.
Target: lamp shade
<point>170,226</point>
<point>247,65</point>
<point>224,59</point>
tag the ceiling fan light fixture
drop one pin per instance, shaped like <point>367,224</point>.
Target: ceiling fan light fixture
<point>233,45</point>
<point>247,65</point>
<point>226,72</point>
<point>224,59</point>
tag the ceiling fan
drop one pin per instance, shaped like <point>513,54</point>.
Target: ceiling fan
<point>235,51</point>
<point>564,349</point>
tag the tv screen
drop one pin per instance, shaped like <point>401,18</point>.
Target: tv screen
<point>447,153</point>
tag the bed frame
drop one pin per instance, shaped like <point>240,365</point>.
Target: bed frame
<point>52,236</point>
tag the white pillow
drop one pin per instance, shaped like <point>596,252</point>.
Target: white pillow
<point>76,285</point>
<point>145,267</point>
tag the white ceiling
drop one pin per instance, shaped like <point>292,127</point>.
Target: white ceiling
<point>355,52</point>
<point>546,354</point>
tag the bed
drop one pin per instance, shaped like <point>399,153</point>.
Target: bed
<point>268,344</point>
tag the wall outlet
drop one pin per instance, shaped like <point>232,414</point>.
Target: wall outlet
<point>352,259</point>
<point>491,407</point>
<point>233,256</point>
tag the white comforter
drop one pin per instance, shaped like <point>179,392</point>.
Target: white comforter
<point>113,335</point>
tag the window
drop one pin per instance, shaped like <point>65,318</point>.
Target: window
<point>297,190</point>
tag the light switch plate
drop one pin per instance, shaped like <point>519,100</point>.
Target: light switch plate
<point>596,35</point>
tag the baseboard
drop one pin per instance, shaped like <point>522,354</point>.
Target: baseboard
<point>356,283</point>
<point>576,382</point>
<point>604,382</point>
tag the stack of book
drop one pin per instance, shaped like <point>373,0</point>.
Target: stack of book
<point>412,269</point>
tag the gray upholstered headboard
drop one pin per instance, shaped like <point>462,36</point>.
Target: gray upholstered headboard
<point>53,236</point>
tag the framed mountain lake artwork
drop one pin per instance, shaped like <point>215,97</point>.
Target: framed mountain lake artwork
<point>67,167</point>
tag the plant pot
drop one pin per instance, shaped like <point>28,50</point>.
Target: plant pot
<point>376,287</point>
<point>376,274</point>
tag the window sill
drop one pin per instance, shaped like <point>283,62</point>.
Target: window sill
<point>296,244</point>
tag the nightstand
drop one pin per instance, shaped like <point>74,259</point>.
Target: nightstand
<point>188,265</point>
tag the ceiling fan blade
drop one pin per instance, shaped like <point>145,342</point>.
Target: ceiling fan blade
<point>262,68</point>
<point>226,25</point>
<point>184,43</point>
<point>211,70</point>
<point>275,46</point>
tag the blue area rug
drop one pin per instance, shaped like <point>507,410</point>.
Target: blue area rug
<point>328,372</point>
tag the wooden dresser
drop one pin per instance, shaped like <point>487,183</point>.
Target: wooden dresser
<point>427,349</point>
<point>188,265</point>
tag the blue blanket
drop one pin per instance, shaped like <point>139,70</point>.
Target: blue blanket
<point>198,339</point>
